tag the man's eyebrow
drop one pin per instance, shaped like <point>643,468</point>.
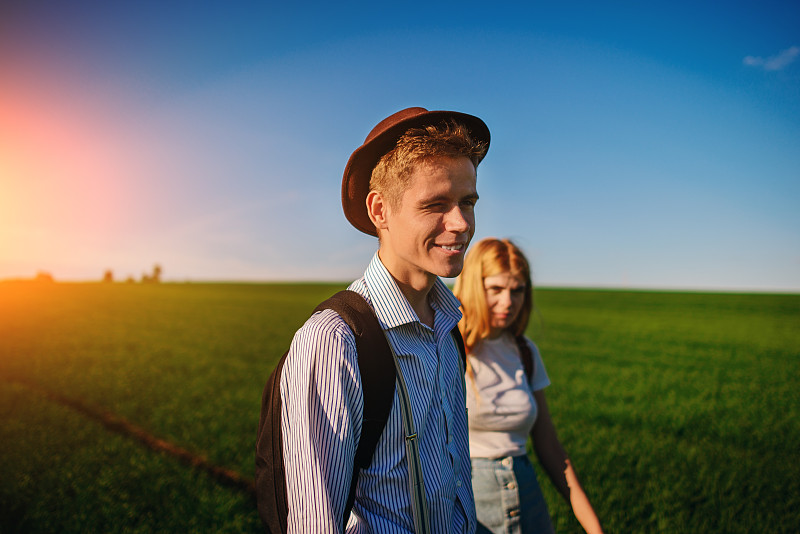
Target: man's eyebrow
<point>434,198</point>
<point>446,198</point>
<point>470,196</point>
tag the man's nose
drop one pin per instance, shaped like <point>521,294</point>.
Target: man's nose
<point>457,221</point>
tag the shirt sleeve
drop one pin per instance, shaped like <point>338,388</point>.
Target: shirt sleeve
<point>540,378</point>
<point>321,413</point>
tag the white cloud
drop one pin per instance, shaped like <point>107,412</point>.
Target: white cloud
<point>777,62</point>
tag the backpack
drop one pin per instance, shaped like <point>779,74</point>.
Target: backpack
<point>526,355</point>
<point>377,370</point>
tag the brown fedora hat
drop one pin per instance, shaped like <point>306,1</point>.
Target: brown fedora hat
<point>382,139</point>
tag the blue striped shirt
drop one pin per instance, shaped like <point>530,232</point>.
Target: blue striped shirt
<point>321,417</point>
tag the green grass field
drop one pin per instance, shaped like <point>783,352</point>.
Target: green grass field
<point>680,410</point>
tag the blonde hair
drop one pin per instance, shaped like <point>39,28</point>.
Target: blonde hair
<point>449,139</point>
<point>488,257</point>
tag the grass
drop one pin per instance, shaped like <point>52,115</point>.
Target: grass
<point>679,410</point>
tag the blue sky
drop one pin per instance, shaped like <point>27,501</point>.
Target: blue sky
<point>633,145</point>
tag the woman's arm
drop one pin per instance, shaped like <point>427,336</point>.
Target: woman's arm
<point>558,467</point>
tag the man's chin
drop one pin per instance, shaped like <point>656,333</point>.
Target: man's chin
<point>452,270</point>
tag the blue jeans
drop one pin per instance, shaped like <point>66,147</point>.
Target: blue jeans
<point>508,499</point>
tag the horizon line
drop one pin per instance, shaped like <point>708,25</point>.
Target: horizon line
<point>447,281</point>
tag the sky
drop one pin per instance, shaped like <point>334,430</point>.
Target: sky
<point>634,145</point>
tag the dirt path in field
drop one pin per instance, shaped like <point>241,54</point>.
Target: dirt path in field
<point>124,427</point>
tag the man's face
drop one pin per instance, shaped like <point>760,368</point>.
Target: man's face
<point>427,234</point>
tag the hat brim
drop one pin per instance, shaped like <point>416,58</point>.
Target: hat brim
<point>358,172</point>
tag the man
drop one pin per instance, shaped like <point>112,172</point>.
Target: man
<point>413,185</point>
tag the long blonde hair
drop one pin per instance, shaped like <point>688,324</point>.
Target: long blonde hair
<point>488,257</point>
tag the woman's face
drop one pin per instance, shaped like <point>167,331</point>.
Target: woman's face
<point>505,294</point>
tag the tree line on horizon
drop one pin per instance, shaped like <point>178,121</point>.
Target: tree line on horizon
<point>153,278</point>
<point>108,276</point>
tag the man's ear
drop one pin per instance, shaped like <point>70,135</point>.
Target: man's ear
<point>377,208</point>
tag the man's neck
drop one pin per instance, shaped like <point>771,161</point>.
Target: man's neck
<point>419,301</point>
<point>415,287</point>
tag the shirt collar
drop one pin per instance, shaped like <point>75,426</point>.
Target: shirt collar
<point>393,309</point>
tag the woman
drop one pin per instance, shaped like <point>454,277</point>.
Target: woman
<point>505,398</point>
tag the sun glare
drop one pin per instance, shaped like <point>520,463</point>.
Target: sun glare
<point>59,186</point>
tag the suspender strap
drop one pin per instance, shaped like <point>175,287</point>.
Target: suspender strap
<point>419,504</point>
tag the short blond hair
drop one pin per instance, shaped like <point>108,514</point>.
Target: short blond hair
<point>488,257</point>
<point>450,139</point>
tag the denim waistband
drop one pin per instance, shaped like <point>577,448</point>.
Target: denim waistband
<point>506,461</point>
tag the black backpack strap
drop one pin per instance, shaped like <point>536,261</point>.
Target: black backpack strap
<point>526,355</point>
<point>378,375</point>
<point>456,333</point>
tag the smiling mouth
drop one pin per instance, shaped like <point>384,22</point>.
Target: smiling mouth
<point>452,248</point>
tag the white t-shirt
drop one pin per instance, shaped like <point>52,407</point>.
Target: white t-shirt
<point>501,419</point>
